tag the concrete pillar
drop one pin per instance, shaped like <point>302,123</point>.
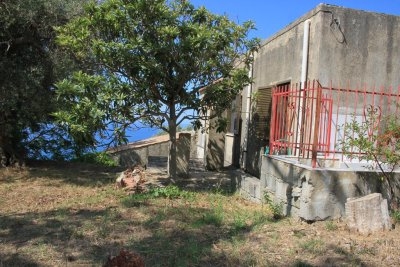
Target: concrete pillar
<point>183,155</point>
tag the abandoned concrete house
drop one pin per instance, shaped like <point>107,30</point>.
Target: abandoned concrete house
<point>309,79</point>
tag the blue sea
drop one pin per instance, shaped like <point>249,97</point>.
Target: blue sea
<point>141,134</point>
<point>137,135</point>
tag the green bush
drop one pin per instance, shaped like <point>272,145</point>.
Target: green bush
<point>101,158</point>
<point>170,192</point>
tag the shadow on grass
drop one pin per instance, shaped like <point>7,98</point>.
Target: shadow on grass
<point>82,174</point>
<point>172,233</point>
<point>16,260</point>
<point>62,236</point>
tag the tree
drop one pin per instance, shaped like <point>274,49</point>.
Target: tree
<point>147,61</point>
<point>30,63</point>
<point>375,140</point>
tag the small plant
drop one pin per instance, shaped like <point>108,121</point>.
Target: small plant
<point>275,207</point>
<point>331,226</point>
<point>239,222</point>
<point>376,140</point>
<point>314,246</point>
<point>170,192</point>
<point>396,216</point>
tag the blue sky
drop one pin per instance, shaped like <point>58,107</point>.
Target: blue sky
<point>270,16</point>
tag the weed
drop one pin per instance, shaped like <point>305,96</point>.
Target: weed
<point>215,216</point>
<point>314,246</point>
<point>169,192</point>
<point>239,222</point>
<point>299,233</point>
<point>367,250</point>
<point>331,226</point>
<point>275,207</point>
<point>396,216</point>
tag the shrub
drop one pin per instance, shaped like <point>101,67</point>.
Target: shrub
<point>101,158</point>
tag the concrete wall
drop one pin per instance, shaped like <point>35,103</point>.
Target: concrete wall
<point>214,156</point>
<point>363,49</point>
<point>320,193</point>
<point>183,155</point>
<point>130,157</point>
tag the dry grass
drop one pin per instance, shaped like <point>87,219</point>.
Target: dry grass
<point>71,215</point>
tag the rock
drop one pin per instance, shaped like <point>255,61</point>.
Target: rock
<point>131,179</point>
<point>120,178</point>
<point>125,259</point>
<point>368,214</point>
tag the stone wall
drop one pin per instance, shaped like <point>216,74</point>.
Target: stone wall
<point>320,193</point>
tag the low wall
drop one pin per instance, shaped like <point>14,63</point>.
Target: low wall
<point>139,155</point>
<point>319,193</point>
<point>132,154</point>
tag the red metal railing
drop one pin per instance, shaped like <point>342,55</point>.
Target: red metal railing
<point>308,122</point>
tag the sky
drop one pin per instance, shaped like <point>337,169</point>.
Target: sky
<point>270,16</point>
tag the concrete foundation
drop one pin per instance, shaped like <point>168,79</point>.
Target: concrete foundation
<point>319,193</point>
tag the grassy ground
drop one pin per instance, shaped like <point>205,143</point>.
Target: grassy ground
<point>72,215</point>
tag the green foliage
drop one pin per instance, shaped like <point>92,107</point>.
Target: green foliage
<point>147,61</point>
<point>101,158</point>
<point>275,207</point>
<point>215,215</point>
<point>30,64</point>
<point>331,226</point>
<point>396,216</point>
<point>169,192</point>
<point>314,246</point>
<point>375,140</point>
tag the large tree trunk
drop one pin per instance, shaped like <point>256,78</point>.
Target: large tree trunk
<point>172,143</point>
<point>10,153</point>
<point>172,151</point>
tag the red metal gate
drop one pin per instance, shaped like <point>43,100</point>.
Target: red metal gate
<point>301,121</point>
